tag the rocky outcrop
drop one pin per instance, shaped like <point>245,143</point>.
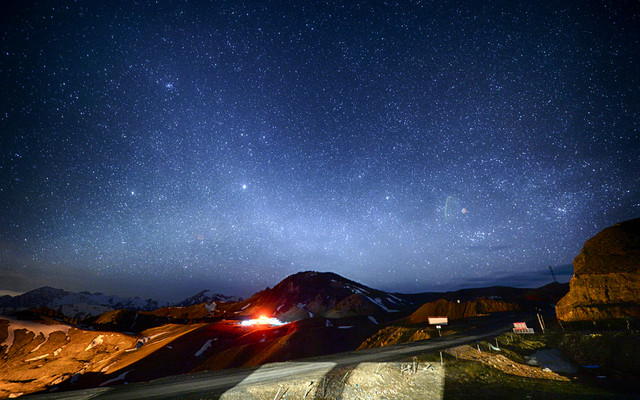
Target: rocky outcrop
<point>459,310</point>
<point>392,335</point>
<point>606,278</point>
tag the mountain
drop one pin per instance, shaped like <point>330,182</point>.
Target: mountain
<point>460,310</point>
<point>491,292</point>
<point>207,296</point>
<point>606,278</point>
<point>326,313</point>
<point>73,305</point>
<point>323,294</point>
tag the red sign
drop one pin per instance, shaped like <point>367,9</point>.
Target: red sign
<point>519,325</point>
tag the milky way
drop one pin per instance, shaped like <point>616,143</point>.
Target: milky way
<point>160,149</point>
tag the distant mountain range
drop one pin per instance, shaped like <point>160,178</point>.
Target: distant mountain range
<point>85,304</point>
<point>299,296</point>
<point>207,296</point>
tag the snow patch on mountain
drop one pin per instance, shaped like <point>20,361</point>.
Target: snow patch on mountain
<point>36,358</point>
<point>204,348</point>
<point>30,326</point>
<point>207,296</point>
<point>75,305</point>
<point>96,342</point>
<point>211,307</point>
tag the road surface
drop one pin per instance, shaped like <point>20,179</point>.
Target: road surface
<point>218,381</point>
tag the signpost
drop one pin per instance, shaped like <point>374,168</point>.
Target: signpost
<point>521,327</point>
<point>438,322</point>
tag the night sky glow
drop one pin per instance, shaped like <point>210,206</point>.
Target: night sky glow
<point>161,149</point>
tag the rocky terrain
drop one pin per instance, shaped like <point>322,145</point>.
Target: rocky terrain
<point>460,309</point>
<point>322,313</point>
<point>320,294</point>
<point>522,367</point>
<point>606,280</point>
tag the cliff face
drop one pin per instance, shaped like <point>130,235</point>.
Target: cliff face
<point>606,278</point>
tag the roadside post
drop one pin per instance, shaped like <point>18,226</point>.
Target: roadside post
<point>438,322</point>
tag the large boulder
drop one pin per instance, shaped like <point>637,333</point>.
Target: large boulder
<point>606,277</point>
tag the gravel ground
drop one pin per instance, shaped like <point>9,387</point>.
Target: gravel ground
<point>366,381</point>
<point>504,364</point>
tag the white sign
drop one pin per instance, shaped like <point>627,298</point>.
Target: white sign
<point>438,321</point>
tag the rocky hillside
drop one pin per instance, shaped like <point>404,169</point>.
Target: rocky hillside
<point>606,280</point>
<point>459,310</point>
<point>309,294</point>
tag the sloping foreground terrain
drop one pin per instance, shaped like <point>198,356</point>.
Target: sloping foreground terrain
<point>520,367</point>
<point>328,314</point>
<point>41,353</point>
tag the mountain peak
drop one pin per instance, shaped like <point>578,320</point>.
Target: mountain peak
<point>207,296</point>
<point>309,293</point>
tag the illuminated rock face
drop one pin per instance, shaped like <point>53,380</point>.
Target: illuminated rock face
<point>606,279</point>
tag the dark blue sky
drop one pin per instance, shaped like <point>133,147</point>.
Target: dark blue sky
<point>160,149</point>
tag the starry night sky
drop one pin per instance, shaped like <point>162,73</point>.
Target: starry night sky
<point>161,149</point>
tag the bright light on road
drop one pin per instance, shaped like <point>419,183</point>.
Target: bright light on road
<point>262,321</point>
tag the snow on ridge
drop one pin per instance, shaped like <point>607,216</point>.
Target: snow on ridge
<point>303,308</point>
<point>75,305</point>
<point>204,348</point>
<point>105,369</point>
<point>81,310</point>
<point>99,299</point>
<point>37,358</point>
<point>373,320</point>
<point>31,326</point>
<point>38,346</point>
<point>207,296</point>
<point>96,342</point>
<point>146,339</point>
<point>211,307</point>
<point>394,297</point>
<point>378,301</point>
